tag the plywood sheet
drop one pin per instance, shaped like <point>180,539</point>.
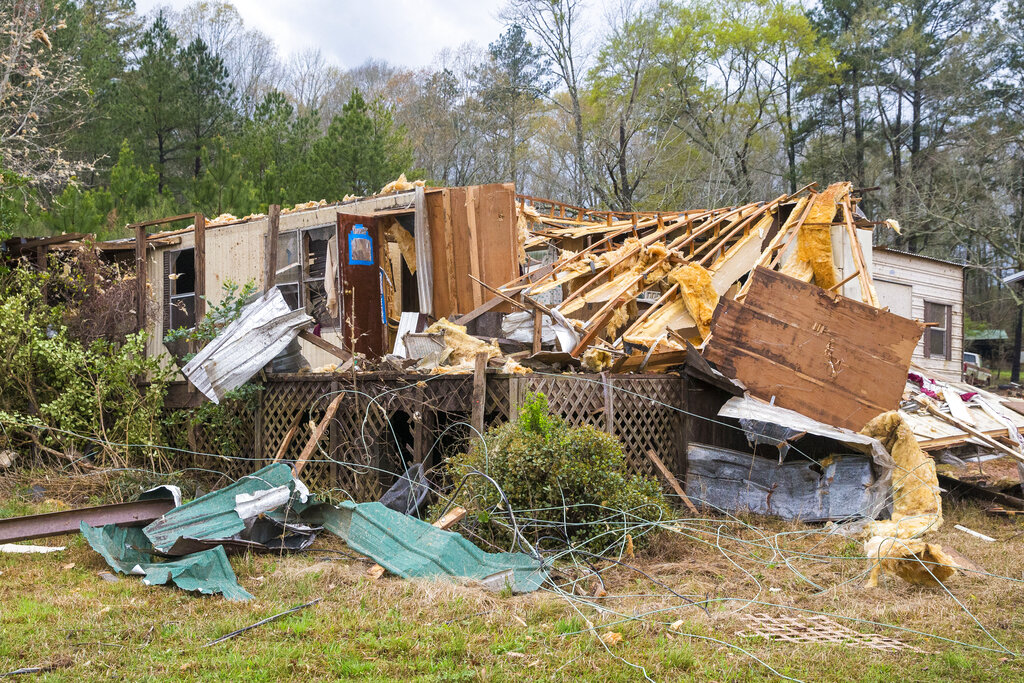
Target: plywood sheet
<point>831,358</point>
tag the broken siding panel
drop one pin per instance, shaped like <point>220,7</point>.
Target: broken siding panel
<point>796,342</point>
<point>933,281</point>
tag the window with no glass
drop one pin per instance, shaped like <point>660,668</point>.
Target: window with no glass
<point>179,289</point>
<point>938,337</point>
<point>302,269</point>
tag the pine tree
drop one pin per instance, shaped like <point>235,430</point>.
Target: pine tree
<point>158,95</point>
<point>210,98</point>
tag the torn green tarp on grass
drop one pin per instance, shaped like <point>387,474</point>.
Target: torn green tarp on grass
<point>411,548</point>
<point>127,550</point>
<point>224,514</point>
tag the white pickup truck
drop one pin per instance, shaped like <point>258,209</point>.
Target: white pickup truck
<point>974,373</point>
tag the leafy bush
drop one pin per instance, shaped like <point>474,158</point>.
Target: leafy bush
<point>564,483</point>
<point>50,378</point>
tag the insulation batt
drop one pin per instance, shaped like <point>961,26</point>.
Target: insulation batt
<point>596,360</point>
<point>400,185</point>
<point>464,346</point>
<point>698,293</point>
<point>406,244</point>
<point>814,241</point>
<point>895,545</point>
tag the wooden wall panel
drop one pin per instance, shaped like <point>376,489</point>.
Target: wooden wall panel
<point>472,233</point>
<point>831,358</point>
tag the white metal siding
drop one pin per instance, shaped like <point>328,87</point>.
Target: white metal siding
<point>934,281</point>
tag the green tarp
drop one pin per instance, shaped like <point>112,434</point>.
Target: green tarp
<point>411,548</point>
<point>127,550</point>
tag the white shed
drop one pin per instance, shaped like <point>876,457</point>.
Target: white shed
<point>931,290</point>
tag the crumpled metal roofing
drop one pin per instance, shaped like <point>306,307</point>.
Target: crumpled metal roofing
<point>263,330</point>
<point>224,514</point>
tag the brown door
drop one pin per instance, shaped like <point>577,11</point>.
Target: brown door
<point>362,303</point>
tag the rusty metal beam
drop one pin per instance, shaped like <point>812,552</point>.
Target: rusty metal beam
<point>138,513</point>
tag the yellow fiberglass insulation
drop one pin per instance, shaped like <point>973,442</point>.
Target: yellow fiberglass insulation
<point>620,316</point>
<point>814,241</point>
<point>596,360</point>
<point>895,545</point>
<point>406,244</point>
<point>588,265</point>
<point>698,294</point>
<point>626,282</point>
<point>400,185</point>
<point>464,346</point>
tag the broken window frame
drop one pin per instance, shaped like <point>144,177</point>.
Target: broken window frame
<point>302,282</point>
<point>942,329</point>
<point>176,301</point>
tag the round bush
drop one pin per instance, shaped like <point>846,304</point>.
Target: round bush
<point>563,484</point>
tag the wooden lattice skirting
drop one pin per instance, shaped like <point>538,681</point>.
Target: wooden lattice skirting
<point>388,418</point>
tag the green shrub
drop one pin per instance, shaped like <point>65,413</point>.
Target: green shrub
<point>564,484</point>
<point>51,379</point>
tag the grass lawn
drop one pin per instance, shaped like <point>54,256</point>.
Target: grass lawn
<point>55,610</point>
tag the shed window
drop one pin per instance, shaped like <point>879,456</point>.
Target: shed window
<point>180,289</point>
<point>938,340</point>
<point>301,269</point>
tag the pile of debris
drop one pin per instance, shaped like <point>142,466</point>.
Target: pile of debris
<point>187,545</point>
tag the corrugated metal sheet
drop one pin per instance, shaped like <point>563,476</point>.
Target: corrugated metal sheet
<point>221,514</point>
<point>264,329</point>
<point>127,551</point>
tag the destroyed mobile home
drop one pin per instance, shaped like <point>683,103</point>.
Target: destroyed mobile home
<point>741,351</point>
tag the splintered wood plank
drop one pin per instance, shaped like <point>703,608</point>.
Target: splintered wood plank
<point>317,433</point>
<point>831,358</point>
<point>475,244</point>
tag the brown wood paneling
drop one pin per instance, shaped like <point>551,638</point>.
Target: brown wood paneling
<point>816,352</point>
<point>442,248</point>
<point>363,328</point>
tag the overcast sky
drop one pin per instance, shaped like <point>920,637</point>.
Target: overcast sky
<point>349,32</point>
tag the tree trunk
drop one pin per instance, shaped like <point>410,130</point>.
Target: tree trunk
<point>1015,359</point>
<point>858,131</point>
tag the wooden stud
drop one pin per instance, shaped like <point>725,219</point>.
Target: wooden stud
<point>200,265</point>
<point>867,289</point>
<point>538,322</point>
<point>140,276</point>
<point>289,436</point>
<point>672,481</point>
<point>317,433</point>
<point>327,346</point>
<point>479,392</point>
<point>270,250</point>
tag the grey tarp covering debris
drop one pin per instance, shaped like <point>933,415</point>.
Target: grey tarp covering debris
<point>411,548</point>
<point>836,487</point>
<point>234,515</point>
<point>263,330</point>
<point>127,550</point>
